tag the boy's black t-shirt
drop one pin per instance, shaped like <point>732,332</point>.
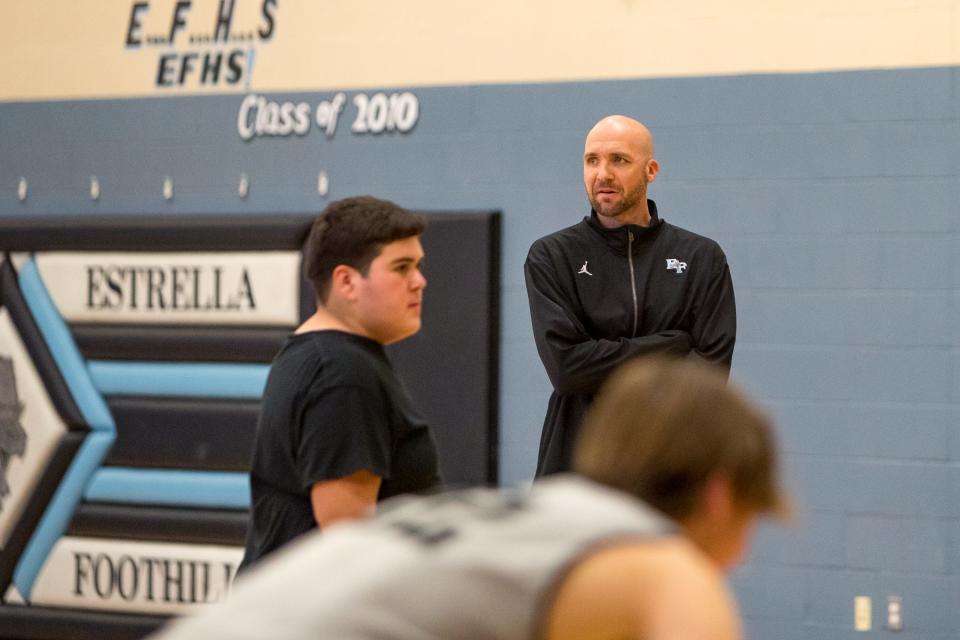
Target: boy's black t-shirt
<point>332,406</point>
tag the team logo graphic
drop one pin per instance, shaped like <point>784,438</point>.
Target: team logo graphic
<point>675,265</point>
<point>583,269</point>
<point>13,438</point>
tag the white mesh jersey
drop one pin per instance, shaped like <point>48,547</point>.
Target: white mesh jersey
<point>477,563</point>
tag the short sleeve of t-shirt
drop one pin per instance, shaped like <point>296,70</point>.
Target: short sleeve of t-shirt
<point>343,429</point>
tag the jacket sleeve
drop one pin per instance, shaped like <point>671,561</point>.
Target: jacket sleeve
<point>576,362</point>
<point>714,328</point>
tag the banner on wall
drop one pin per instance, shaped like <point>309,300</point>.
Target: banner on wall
<point>255,288</point>
<point>130,380</point>
<point>125,575</point>
<point>29,427</point>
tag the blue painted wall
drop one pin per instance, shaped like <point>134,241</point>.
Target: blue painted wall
<point>834,195</point>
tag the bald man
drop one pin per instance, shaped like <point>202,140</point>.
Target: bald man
<point>619,284</point>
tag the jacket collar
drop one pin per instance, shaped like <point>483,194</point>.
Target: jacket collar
<point>618,239</point>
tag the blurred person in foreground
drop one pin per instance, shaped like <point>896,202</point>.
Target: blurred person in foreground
<point>673,468</point>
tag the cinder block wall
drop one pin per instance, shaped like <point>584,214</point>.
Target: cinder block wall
<point>834,195</point>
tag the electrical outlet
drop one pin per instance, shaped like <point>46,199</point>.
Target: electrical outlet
<point>894,613</point>
<point>862,614</point>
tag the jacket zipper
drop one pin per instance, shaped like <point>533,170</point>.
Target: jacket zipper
<point>633,282</point>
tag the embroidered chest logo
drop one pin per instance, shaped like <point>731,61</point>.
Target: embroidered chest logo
<point>675,265</point>
<point>583,269</point>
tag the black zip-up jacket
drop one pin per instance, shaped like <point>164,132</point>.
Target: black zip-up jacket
<point>599,297</point>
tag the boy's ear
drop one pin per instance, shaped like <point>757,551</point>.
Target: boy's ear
<point>343,282</point>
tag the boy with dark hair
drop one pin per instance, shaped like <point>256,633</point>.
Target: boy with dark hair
<point>337,432</point>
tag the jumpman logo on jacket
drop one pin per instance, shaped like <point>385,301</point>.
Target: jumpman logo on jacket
<point>583,269</point>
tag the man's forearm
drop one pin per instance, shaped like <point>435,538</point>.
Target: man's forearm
<point>582,367</point>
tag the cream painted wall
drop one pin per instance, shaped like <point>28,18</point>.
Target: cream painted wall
<point>65,49</point>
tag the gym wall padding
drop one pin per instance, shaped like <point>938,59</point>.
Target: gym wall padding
<point>53,427</point>
<point>183,433</point>
<point>184,397</point>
